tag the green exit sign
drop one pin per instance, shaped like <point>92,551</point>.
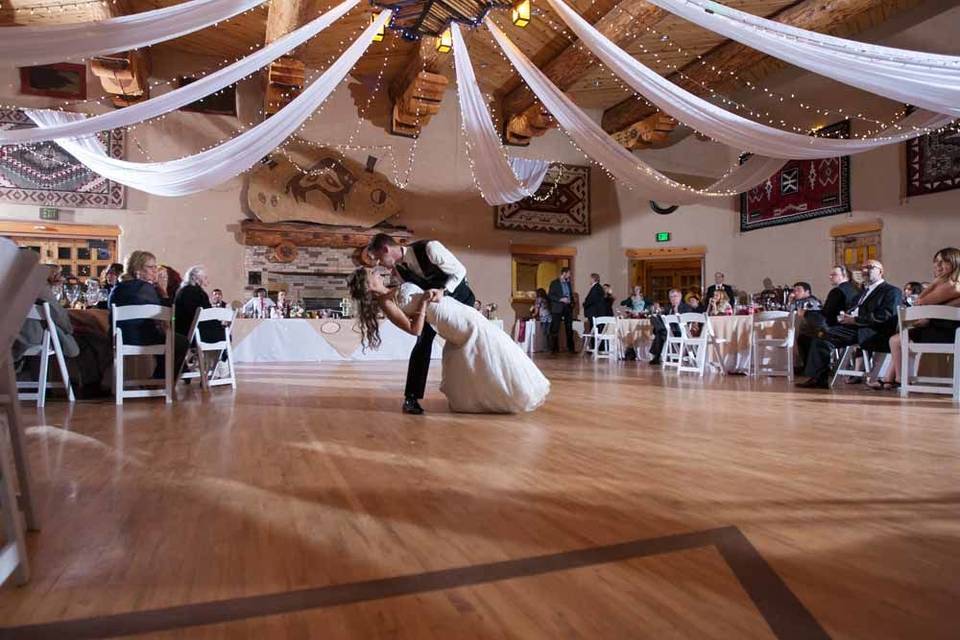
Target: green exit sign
<point>47,213</point>
<point>663,236</point>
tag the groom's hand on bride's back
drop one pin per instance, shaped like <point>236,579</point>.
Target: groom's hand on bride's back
<point>435,295</point>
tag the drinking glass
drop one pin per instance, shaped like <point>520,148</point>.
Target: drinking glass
<point>73,294</point>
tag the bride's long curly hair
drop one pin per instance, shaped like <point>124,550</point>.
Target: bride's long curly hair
<point>368,308</point>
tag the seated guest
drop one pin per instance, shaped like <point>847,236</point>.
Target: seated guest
<point>676,306</point>
<point>541,310</point>
<point>216,299</point>
<point>869,323</point>
<point>842,296</point>
<point>259,305</point>
<point>692,301</point>
<point>168,283</point>
<point>944,290</point>
<point>636,303</point>
<point>593,303</point>
<point>31,334</point>
<point>911,291</point>
<point>141,288</point>
<point>111,276</point>
<point>283,305</point>
<point>802,299</point>
<point>719,304</point>
<point>190,297</point>
<point>719,279</point>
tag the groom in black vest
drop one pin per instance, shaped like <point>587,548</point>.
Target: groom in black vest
<point>429,265</point>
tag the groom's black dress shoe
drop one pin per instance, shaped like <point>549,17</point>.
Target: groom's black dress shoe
<point>411,406</point>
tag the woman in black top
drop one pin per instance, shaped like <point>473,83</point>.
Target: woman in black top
<point>139,288</point>
<point>190,297</point>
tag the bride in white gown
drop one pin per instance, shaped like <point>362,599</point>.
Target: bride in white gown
<point>484,370</point>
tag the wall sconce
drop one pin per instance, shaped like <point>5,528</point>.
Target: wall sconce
<point>520,15</point>
<point>445,41</point>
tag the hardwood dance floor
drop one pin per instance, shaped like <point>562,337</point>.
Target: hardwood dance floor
<point>633,505</point>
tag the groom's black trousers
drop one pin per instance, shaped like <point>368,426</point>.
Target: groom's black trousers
<point>419,364</point>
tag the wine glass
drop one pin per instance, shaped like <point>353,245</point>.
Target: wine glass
<point>72,292</point>
<point>92,295</point>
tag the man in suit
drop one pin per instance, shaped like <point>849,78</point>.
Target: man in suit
<point>869,323</point>
<point>560,295</point>
<point>676,306</point>
<point>593,304</point>
<point>429,265</point>
<point>718,279</point>
<point>842,296</point>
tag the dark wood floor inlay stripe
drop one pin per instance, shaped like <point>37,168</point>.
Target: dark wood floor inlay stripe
<point>782,610</point>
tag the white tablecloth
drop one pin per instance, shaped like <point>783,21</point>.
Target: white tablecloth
<point>303,340</point>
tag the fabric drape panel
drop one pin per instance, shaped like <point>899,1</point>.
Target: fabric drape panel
<point>492,171</point>
<point>722,125</point>
<point>209,168</point>
<point>930,81</point>
<point>184,95</point>
<point>623,165</point>
<point>21,46</point>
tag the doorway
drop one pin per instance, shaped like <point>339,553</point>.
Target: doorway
<point>660,270</point>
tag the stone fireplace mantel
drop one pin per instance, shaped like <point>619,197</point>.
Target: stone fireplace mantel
<point>308,261</point>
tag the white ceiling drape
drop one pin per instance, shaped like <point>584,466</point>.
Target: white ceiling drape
<point>493,172</point>
<point>44,44</point>
<point>926,80</point>
<point>209,168</point>
<point>722,125</point>
<point>184,95</point>
<point>623,165</point>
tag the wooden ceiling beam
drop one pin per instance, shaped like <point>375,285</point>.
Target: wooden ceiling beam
<point>573,63</point>
<point>718,68</point>
<point>285,76</point>
<point>417,92</point>
<point>125,76</point>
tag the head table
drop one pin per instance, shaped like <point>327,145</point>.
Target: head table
<point>316,340</point>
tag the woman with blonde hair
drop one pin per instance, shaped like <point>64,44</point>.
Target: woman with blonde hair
<point>944,290</point>
<point>140,288</point>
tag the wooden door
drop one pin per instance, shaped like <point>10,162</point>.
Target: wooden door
<point>658,277</point>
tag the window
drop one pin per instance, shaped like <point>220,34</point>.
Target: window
<point>80,250</point>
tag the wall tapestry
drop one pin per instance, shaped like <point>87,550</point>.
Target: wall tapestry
<point>801,190</point>
<point>560,205</point>
<point>323,186</point>
<point>44,174</point>
<point>933,162</point>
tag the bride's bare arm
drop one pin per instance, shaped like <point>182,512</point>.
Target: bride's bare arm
<point>414,325</point>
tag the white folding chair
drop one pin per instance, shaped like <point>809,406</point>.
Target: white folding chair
<point>195,339</point>
<point>911,352</point>
<point>21,278</point>
<point>122,350</point>
<point>606,340</point>
<point>673,347</point>
<point>849,361</point>
<point>696,350</point>
<point>761,341</point>
<point>49,346</point>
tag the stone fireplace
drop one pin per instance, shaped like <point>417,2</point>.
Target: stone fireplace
<point>311,262</point>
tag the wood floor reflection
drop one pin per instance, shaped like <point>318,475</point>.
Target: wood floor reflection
<point>306,505</point>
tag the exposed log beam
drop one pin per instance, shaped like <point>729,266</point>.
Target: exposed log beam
<point>651,132</point>
<point>573,63</point>
<point>125,77</point>
<point>285,76</point>
<point>533,122</point>
<point>718,67</point>
<point>417,92</point>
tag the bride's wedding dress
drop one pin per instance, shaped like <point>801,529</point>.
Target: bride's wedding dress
<point>484,370</point>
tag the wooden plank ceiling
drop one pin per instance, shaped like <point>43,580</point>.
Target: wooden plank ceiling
<point>661,41</point>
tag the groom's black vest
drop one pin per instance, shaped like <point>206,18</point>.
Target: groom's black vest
<point>433,277</point>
